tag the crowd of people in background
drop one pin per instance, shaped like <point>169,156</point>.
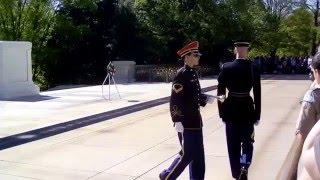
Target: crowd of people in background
<point>283,65</point>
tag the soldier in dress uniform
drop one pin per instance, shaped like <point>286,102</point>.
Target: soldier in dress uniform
<point>240,111</point>
<point>185,102</point>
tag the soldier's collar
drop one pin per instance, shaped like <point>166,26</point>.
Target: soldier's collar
<point>188,67</point>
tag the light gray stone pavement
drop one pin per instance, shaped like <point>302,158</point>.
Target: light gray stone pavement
<point>140,145</point>
<point>53,107</point>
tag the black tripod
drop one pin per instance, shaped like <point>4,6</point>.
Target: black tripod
<point>110,76</point>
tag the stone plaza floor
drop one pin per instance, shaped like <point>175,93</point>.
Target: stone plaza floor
<point>76,134</point>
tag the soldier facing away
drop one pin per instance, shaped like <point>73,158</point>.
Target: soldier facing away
<point>185,102</point>
<point>240,111</point>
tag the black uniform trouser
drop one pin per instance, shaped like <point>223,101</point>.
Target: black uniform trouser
<point>240,139</point>
<point>192,154</point>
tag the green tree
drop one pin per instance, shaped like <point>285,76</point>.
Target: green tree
<point>88,35</point>
<point>216,24</point>
<point>314,7</point>
<point>269,37</point>
<point>297,30</point>
<point>28,20</point>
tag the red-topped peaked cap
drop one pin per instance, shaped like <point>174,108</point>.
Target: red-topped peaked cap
<point>191,47</point>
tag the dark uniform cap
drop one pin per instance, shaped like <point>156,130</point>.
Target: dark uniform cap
<point>241,44</point>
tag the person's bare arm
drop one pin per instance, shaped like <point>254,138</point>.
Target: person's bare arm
<point>288,170</point>
<point>310,155</point>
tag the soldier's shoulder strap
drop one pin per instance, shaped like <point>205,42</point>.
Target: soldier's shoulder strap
<point>181,70</point>
<point>180,74</point>
<point>225,66</point>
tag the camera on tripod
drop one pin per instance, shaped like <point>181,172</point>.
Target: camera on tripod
<point>111,69</point>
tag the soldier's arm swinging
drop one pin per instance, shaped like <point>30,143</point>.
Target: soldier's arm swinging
<point>221,90</point>
<point>257,93</point>
<point>177,100</point>
<point>203,100</point>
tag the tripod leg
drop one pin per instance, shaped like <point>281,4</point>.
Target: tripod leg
<point>109,88</point>
<point>114,82</point>
<point>105,79</point>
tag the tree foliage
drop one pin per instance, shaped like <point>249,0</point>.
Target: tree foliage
<point>297,30</point>
<point>73,40</point>
<point>87,36</point>
<point>28,20</point>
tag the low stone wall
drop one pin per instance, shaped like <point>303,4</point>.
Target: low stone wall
<point>165,73</point>
<point>125,71</point>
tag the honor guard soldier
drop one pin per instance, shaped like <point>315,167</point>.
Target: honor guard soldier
<point>240,111</point>
<point>185,102</point>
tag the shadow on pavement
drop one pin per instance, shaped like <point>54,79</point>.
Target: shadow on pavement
<point>285,76</point>
<point>35,98</point>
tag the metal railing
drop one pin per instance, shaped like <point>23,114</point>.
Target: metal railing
<point>164,73</point>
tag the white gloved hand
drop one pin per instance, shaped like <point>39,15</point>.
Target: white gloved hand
<point>222,120</point>
<point>210,99</point>
<point>179,127</point>
<point>257,122</point>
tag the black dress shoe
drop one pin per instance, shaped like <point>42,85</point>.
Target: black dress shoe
<point>163,175</point>
<point>243,174</point>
